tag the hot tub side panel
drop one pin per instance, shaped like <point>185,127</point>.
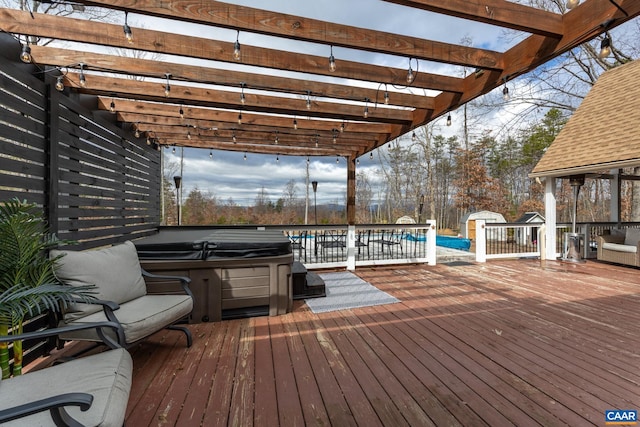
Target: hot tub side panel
<point>226,285</point>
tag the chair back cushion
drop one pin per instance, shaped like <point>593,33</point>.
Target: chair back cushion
<point>115,271</point>
<point>632,236</point>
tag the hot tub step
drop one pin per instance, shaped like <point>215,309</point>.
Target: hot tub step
<point>306,284</point>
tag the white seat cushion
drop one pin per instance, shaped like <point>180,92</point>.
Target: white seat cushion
<point>106,376</point>
<point>619,247</point>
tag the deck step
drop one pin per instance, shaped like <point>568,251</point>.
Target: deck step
<point>306,284</point>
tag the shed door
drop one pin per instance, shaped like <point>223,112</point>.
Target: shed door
<point>471,229</point>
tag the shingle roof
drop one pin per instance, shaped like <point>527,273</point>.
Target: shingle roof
<point>603,133</point>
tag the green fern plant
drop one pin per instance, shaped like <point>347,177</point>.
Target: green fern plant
<point>28,285</point>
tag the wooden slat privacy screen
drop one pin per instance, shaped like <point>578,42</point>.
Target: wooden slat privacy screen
<point>96,186</point>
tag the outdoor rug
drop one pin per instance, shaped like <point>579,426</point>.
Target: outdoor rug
<point>345,290</point>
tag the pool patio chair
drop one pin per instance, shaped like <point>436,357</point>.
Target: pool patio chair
<point>88,391</point>
<point>126,294</point>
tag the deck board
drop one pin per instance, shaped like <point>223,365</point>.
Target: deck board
<point>509,342</point>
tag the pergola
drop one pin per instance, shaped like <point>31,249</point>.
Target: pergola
<point>316,113</point>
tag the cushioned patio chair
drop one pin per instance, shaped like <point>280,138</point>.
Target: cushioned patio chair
<point>123,295</point>
<point>89,391</point>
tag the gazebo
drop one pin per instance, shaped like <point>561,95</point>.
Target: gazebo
<point>598,141</point>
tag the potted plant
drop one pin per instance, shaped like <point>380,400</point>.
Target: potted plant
<point>27,282</point>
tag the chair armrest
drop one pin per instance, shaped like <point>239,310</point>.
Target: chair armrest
<point>55,405</point>
<point>184,281</point>
<point>50,332</point>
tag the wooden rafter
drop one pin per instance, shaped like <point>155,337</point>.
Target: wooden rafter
<point>209,92</point>
<point>265,22</point>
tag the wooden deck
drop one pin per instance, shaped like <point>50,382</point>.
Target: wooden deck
<point>503,343</point>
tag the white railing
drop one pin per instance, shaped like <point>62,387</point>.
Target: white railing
<point>515,240</point>
<point>342,246</point>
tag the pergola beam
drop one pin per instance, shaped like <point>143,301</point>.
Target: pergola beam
<point>270,23</point>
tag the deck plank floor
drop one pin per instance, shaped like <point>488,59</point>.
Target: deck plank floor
<point>509,342</point>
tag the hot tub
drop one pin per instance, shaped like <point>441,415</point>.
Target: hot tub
<point>234,273</point>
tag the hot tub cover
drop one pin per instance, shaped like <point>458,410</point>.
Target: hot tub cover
<point>207,244</point>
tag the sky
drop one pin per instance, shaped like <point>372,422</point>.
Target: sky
<point>228,175</point>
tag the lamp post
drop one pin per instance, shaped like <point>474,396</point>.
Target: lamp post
<point>178,180</point>
<point>314,184</point>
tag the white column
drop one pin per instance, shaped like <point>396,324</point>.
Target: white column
<point>481,241</point>
<point>351,247</point>
<point>550,217</point>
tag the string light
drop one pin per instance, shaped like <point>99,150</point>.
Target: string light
<point>112,107</point>
<point>413,136</point>
<point>25,55</point>
<point>307,159</point>
<point>365,114</point>
<point>60,83</point>
<point>386,95</point>
<point>335,135</point>
<point>276,140</point>
<point>358,161</point>
<point>136,133</point>
<point>410,76</point>
<point>173,150</point>
<point>342,126</point>
<point>181,113</point>
<point>295,123</point>
<point>371,155</point>
<point>127,29</point>
<point>308,100</point>
<point>505,92</point>
<point>167,87</point>
<point>82,78</point>
<point>189,135</point>
<point>245,156</point>
<point>449,119</point>
<point>332,61</point>
<point>277,158</point>
<point>337,159</point>
<point>605,47</point>
<point>239,118</point>
<point>242,98</point>
<point>211,154</point>
<point>236,48</point>
<point>572,3</point>
<point>233,137</point>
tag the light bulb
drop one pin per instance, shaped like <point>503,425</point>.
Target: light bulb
<point>386,97</point>
<point>25,55</point>
<point>605,48</point>
<point>410,75</point>
<point>505,93</point>
<point>60,83</point>
<point>112,107</point>
<point>332,63</point>
<point>572,3</point>
<point>449,120</point>
<point>295,124</point>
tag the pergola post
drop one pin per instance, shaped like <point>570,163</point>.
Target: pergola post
<point>615,183</point>
<point>351,213</point>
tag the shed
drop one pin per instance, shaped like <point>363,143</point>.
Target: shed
<point>528,234</point>
<point>468,224</point>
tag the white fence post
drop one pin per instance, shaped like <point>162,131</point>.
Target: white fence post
<point>481,241</point>
<point>431,243</point>
<point>351,247</point>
